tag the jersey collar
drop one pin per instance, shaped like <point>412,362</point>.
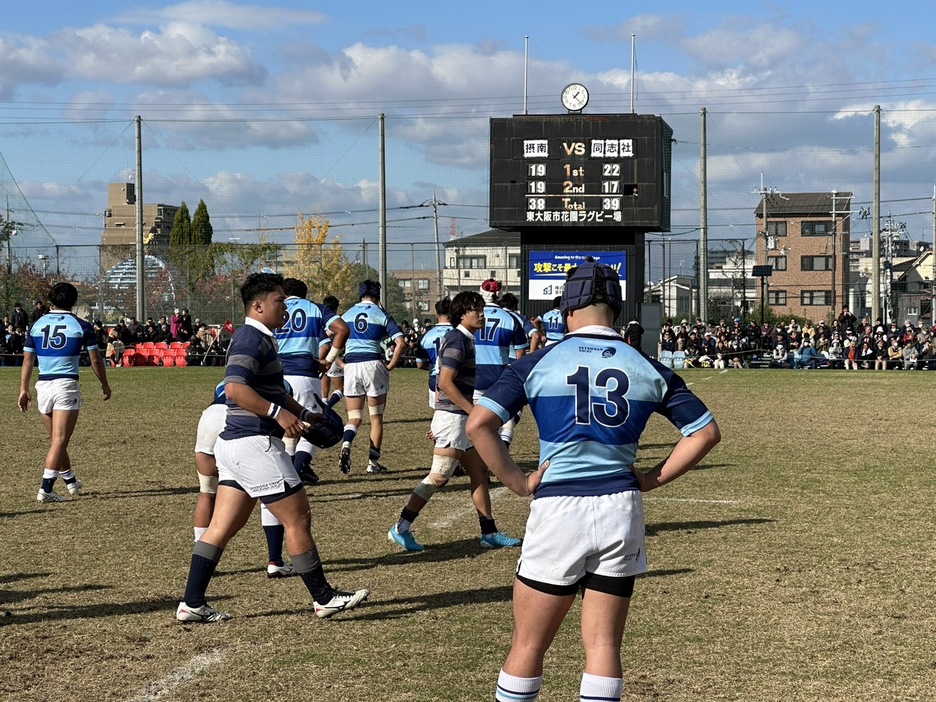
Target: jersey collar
<point>595,330</point>
<point>251,322</point>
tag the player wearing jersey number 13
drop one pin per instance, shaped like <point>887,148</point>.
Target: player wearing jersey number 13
<point>591,395</point>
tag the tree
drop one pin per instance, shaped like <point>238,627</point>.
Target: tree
<point>190,252</point>
<point>181,234</point>
<point>202,231</point>
<point>321,264</point>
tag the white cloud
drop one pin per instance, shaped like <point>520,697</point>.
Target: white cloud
<point>221,13</point>
<point>177,56</point>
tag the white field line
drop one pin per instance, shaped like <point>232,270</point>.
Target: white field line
<point>723,372</point>
<point>455,515</point>
<point>179,677</point>
<point>649,498</point>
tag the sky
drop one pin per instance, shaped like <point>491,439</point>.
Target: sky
<point>266,109</point>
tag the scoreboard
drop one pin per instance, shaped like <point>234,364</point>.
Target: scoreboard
<point>580,170</point>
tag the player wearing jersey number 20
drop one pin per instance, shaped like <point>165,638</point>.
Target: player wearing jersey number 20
<point>591,395</point>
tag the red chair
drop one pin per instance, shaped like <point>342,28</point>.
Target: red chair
<point>168,361</point>
<point>148,345</point>
<point>127,359</point>
<point>181,361</point>
<point>175,345</point>
<point>154,357</point>
<point>161,345</point>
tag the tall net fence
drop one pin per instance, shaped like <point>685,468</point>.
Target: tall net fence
<point>257,176</point>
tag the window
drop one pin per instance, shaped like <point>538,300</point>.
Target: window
<point>422,306</point>
<point>776,297</point>
<point>472,262</point>
<point>776,228</point>
<point>816,298</point>
<point>513,260</point>
<point>823,228</point>
<point>422,284</point>
<point>778,262</point>
<point>816,263</point>
<point>406,283</point>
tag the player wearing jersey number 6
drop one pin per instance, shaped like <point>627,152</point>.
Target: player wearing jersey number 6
<point>591,395</point>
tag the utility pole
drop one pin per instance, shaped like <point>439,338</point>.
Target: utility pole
<point>702,306</point>
<point>876,221</point>
<point>834,241</point>
<point>764,192</point>
<point>933,261</point>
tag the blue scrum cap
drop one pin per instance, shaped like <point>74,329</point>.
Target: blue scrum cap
<point>589,283</point>
<point>330,430</point>
<point>369,288</point>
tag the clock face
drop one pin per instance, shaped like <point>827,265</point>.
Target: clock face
<point>574,96</point>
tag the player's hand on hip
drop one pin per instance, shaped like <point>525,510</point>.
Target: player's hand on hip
<point>536,477</point>
<point>643,479</point>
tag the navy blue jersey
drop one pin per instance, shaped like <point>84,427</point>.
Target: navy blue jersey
<point>57,339</point>
<point>457,352</point>
<point>252,360</point>
<point>592,395</point>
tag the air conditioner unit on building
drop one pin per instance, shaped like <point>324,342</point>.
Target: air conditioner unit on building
<point>772,243</point>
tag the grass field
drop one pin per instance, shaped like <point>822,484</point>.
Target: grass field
<point>796,563</point>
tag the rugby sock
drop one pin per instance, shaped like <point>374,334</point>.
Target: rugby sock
<point>513,689</point>
<point>301,461</point>
<point>199,532</point>
<point>48,479</point>
<point>350,431</point>
<point>205,559</point>
<point>68,476</point>
<point>274,536</point>
<point>373,454</point>
<point>595,687</point>
<point>309,567</point>
<point>407,517</point>
<point>487,525</point>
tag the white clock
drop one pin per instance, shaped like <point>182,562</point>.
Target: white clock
<point>574,97</point>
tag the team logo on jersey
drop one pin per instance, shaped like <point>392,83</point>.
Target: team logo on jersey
<point>608,353</point>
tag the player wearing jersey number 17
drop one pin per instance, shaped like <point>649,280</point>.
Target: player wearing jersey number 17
<point>591,395</point>
<point>55,342</point>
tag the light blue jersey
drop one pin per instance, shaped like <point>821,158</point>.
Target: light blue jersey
<point>298,339</point>
<point>592,395</point>
<point>494,344</point>
<point>57,339</point>
<point>369,325</point>
<point>430,344</point>
<point>529,330</point>
<point>555,325</point>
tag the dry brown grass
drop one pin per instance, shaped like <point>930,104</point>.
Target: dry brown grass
<point>795,564</point>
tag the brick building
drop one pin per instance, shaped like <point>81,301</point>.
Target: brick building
<point>806,241</point>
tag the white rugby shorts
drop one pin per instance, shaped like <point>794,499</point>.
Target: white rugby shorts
<point>259,464</point>
<point>61,394</point>
<point>335,371</point>
<point>304,390</point>
<point>210,424</point>
<point>450,430</point>
<point>567,537</point>
<point>369,378</point>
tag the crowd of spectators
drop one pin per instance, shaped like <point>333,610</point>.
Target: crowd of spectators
<point>204,343</point>
<point>845,343</point>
